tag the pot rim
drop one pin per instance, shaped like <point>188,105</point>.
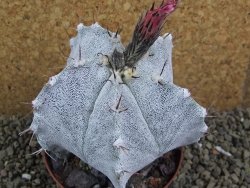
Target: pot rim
<point>178,167</point>
<point>59,183</point>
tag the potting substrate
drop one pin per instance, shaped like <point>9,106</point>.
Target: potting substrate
<point>220,159</point>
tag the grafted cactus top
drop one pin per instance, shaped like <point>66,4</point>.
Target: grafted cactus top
<point>118,118</point>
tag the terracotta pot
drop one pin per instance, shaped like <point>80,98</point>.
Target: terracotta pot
<point>56,178</point>
<point>59,182</point>
<point>180,160</point>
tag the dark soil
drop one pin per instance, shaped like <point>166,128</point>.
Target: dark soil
<point>72,172</point>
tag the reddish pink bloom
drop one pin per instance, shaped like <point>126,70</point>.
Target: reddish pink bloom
<point>147,31</point>
<point>154,18</point>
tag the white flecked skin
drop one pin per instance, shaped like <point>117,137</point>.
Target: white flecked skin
<point>78,110</point>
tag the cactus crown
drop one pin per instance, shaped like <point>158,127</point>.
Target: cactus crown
<point>147,30</point>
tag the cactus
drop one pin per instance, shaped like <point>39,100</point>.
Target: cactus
<point>117,108</point>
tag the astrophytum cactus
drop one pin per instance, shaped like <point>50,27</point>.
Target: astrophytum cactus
<point>117,108</point>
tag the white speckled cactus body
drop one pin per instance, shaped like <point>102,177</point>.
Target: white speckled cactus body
<point>116,125</point>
